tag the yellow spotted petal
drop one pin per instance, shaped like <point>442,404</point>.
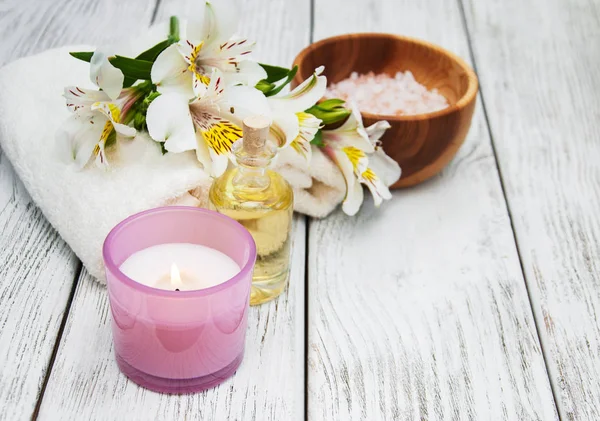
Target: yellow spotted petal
<point>309,126</point>
<point>357,158</point>
<point>110,110</point>
<point>378,189</point>
<point>351,133</point>
<point>348,162</point>
<point>220,135</point>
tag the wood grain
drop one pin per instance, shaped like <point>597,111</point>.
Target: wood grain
<point>419,310</point>
<point>86,383</point>
<point>38,269</point>
<point>540,84</point>
<point>422,144</point>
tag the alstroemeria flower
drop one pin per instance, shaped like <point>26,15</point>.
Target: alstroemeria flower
<point>185,67</point>
<point>209,124</point>
<point>356,152</point>
<point>106,76</point>
<point>96,122</point>
<point>309,125</point>
<point>382,171</point>
<point>291,125</point>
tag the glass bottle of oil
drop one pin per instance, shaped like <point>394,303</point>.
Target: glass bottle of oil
<point>262,201</point>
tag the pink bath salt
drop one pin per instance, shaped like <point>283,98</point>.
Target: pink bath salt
<point>387,95</point>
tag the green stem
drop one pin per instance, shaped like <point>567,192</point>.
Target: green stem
<point>174,28</point>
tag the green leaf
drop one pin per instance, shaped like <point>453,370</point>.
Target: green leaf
<point>289,78</point>
<point>128,82</point>
<point>151,53</point>
<point>318,139</point>
<point>274,73</point>
<point>264,86</point>
<point>83,55</point>
<point>132,68</point>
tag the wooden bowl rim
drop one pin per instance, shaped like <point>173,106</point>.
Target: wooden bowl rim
<point>465,100</point>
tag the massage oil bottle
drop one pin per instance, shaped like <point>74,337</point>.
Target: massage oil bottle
<point>262,201</point>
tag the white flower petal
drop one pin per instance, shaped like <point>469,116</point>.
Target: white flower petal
<point>238,102</point>
<point>385,167</point>
<point>237,47</point>
<point>284,129</point>
<point>219,163</point>
<point>354,193</point>
<point>105,75</point>
<point>100,160</point>
<point>199,85</point>
<point>203,153</point>
<point>169,121</point>
<point>78,136</point>
<point>302,97</point>
<point>214,21</point>
<point>375,131</point>
<point>80,98</point>
<point>353,200</point>
<point>309,126</point>
<point>301,148</point>
<point>233,63</point>
<point>108,110</point>
<point>124,130</point>
<point>351,133</point>
<point>170,73</point>
<point>378,189</point>
<point>187,49</point>
<point>247,72</point>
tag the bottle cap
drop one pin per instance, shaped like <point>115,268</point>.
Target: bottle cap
<point>256,129</point>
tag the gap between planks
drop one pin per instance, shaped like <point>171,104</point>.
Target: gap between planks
<point>59,335</point>
<point>306,304</point>
<point>307,221</point>
<point>504,195</point>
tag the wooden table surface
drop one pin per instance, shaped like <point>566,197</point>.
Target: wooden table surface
<point>473,296</point>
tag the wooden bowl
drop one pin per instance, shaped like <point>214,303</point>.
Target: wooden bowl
<point>422,144</point>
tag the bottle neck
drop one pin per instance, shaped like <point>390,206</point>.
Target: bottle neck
<point>252,167</point>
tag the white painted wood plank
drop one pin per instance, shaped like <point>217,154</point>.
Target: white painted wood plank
<point>539,62</point>
<point>269,385</point>
<point>37,268</point>
<point>419,310</point>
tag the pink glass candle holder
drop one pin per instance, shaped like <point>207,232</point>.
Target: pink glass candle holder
<point>179,341</point>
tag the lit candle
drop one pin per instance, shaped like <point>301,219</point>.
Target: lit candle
<point>188,340</point>
<point>179,267</point>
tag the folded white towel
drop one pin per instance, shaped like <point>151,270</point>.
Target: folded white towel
<point>83,205</point>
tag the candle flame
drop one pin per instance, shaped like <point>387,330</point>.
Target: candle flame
<point>175,276</point>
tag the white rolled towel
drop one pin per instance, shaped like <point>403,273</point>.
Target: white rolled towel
<point>83,205</point>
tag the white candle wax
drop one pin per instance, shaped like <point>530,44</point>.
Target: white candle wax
<point>197,266</point>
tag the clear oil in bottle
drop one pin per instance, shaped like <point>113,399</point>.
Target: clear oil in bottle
<point>262,201</point>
